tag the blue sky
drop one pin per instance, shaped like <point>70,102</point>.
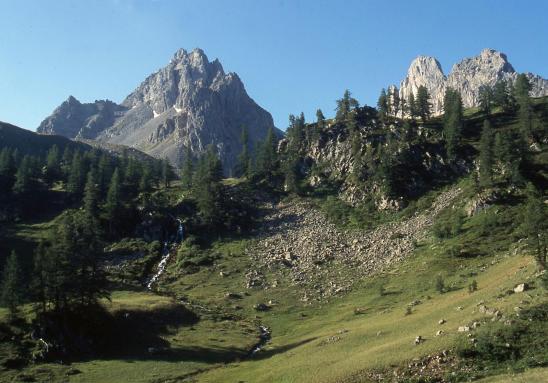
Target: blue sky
<point>292,56</point>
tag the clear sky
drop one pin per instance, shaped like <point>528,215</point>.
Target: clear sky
<point>292,55</point>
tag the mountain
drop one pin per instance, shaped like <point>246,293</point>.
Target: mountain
<point>73,119</point>
<point>489,67</point>
<point>191,102</point>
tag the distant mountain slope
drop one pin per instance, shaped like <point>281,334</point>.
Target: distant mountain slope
<point>191,102</point>
<point>27,142</point>
<point>467,77</point>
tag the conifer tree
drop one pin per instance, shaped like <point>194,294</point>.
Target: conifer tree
<point>395,100</point>
<point>40,277</point>
<point>501,96</point>
<point>91,197</point>
<point>423,103</point>
<point>167,173</point>
<point>53,164</point>
<point>7,170</point>
<point>24,177</point>
<point>382,105</point>
<point>208,187</point>
<point>113,204</point>
<point>486,155</point>
<point>485,99</point>
<point>145,183</point>
<point>411,105</point>
<point>243,169</point>
<point>11,291</point>
<point>104,173</point>
<point>345,105</point>
<point>267,156</point>
<point>77,175</point>
<point>522,87</point>
<point>320,125</point>
<point>535,225</point>
<point>186,176</point>
<point>453,121</point>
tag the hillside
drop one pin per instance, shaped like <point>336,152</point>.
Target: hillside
<point>359,249</point>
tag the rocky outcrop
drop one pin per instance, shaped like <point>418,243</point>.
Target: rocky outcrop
<point>467,77</point>
<point>298,243</point>
<point>191,102</point>
<point>73,119</point>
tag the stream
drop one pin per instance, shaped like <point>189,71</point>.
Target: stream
<point>166,253</point>
<point>264,332</point>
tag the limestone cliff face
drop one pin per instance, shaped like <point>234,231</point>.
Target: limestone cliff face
<point>191,102</point>
<point>467,77</point>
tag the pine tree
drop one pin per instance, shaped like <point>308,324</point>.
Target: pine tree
<point>267,155</point>
<point>207,187</point>
<point>453,121</point>
<point>411,105</point>
<point>243,169</point>
<point>395,100</point>
<point>486,155</point>
<point>186,176</point>
<point>104,173</point>
<point>167,173</point>
<point>320,125</point>
<point>11,292</point>
<point>91,196</point>
<point>423,103</point>
<point>39,276</point>
<point>145,183</point>
<point>345,105</point>
<point>522,87</point>
<point>53,164</point>
<point>382,105</point>
<point>77,175</point>
<point>501,96</point>
<point>7,170</point>
<point>24,177</point>
<point>113,204</point>
<point>535,225</point>
<point>485,99</point>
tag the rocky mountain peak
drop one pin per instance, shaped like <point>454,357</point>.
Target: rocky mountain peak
<point>467,76</point>
<point>191,102</point>
<point>424,71</point>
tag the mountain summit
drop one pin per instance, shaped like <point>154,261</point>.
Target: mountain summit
<point>489,67</point>
<point>191,102</point>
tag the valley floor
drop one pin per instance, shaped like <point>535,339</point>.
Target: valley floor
<point>348,335</point>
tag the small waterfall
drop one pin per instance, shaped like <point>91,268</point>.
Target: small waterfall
<point>166,252</point>
<point>264,337</point>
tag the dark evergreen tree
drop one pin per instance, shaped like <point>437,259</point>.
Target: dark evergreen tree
<point>186,176</point>
<point>395,101</point>
<point>501,96</point>
<point>486,156</point>
<point>345,105</point>
<point>207,187</point>
<point>7,170</point>
<point>485,99</point>
<point>243,167</point>
<point>12,287</point>
<point>113,205</point>
<point>522,87</point>
<point>24,181</point>
<point>423,103</point>
<point>40,277</point>
<point>167,173</point>
<point>453,121</point>
<point>77,176</point>
<point>146,181</point>
<point>104,173</point>
<point>535,225</point>
<point>267,156</point>
<point>411,106</point>
<point>91,197</point>
<point>382,105</point>
<point>53,165</point>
